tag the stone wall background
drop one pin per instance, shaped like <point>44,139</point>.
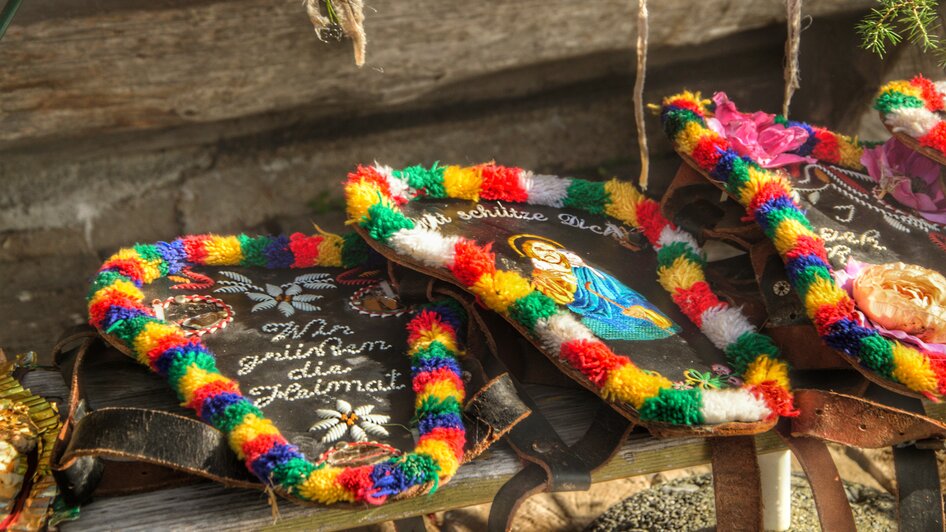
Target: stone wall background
<point>139,120</point>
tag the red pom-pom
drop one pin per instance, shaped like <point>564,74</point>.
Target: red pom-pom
<point>169,341</point>
<point>194,247</point>
<point>455,438</point>
<point>305,249</point>
<point>694,301</point>
<point>502,183</point>
<point>441,374</point>
<point>593,359</point>
<point>768,191</point>
<point>357,480</point>
<point>827,148</point>
<point>471,261</point>
<point>707,151</point>
<point>778,399</point>
<point>260,445</point>
<point>424,322</point>
<point>113,298</point>
<point>130,268</point>
<point>829,314</point>
<point>368,173</point>
<point>938,364</point>
<point>936,138</point>
<point>807,245</point>
<point>931,97</point>
<point>211,389</point>
<point>651,220</point>
<point>685,103</point>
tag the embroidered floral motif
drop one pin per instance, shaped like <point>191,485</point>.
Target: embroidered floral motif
<point>360,422</point>
<point>286,298</point>
<point>703,380</point>
<point>188,279</point>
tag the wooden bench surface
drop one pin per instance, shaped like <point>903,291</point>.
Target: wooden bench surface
<point>195,506</point>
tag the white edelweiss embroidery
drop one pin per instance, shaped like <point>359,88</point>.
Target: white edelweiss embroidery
<point>287,298</point>
<point>359,421</point>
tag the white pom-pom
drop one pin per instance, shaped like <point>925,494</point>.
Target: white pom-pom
<point>669,235</point>
<point>428,246</point>
<point>559,328</point>
<point>723,324</point>
<point>549,190</point>
<point>526,181</point>
<point>914,121</point>
<point>399,187</point>
<point>940,86</point>
<point>722,406</point>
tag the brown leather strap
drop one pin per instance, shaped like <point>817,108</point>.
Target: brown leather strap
<point>834,510</point>
<point>737,484</point>
<point>858,422</point>
<point>599,443</point>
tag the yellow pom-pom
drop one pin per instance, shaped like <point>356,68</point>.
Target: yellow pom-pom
<point>913,369</point>
<point>902,86</point>
<point>249,429</point>
<point>436,333</point>
<point>322,486</point>
<point>501,289</point>
<point>787,233</point>
<point>125,254</point>
<point>121,286</point>
<point>632,385</point>
<point>683,274</point>
<point>463,182</point>
<point>195,377</point>
<point>359,196</point>
<point>694,97</point>
<point>442,453</point>
<point>440,390</point>
<point>823,292</point>
<point>223,251</point>
<point>759,177</point>
<point>624,200</point>
<point>330,250</point>
<point>149,336</point>
<point>764,368</point>
<point>688,137</point>
<point>850,152</point>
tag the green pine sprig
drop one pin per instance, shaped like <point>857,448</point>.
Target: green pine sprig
<point>894,21</point>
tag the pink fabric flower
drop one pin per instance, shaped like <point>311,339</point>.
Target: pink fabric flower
<point>757,135</point>
<point>911,178</point>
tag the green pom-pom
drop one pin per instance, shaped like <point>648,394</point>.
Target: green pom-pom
<point>127,330</point>
<point>531,308</point>
<point>876,353</point>
<point>747,347</point>
<point>738,177</point>
<point>420,178</point>
<point>432,406</point>
<point>805,278</point>
<point>420,468</point>
<point>292,472</point>
<point>178,367</point>
<point>433,350</point>
<point>677,119</point>
<point>149,252</point>
<point>383,221</point>
<point>586,195</point>
<point>102,280</point>
<point>679,407</point>
<point>777,216</point>
<point>254,250</point>
<point>355,250</point>
<point>232,415</point>
<point>670,252</point>
<point>892,100</point>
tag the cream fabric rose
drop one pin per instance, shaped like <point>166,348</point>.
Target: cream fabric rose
<point>904,297</point>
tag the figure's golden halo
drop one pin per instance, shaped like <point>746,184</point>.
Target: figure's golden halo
<point>512,242</point>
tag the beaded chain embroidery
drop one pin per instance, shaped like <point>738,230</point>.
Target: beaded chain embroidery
<point>910,107</point>
<point>116,309</point>
<point>769,198</point>
<point>374,193</point>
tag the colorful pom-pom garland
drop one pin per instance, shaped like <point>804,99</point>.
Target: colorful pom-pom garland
<point>374,193</point>
<point>769,198</point>
<point>910,107</point>
<point>116,308</point>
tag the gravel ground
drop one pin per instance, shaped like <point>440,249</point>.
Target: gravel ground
<point>687,504</point>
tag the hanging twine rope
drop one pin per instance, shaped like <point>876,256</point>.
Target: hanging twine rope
<point>639,90</point>
<point>792,81</point>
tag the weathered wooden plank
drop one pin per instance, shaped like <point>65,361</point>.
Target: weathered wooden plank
<point>145,66</point>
